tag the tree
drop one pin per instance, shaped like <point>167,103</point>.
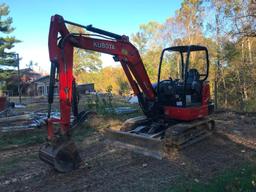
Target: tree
<point>31,65</point>
<point>234,30</point>
<point>148,37</point>
<point>84,60</point>
<point>191,18</point>
<point>123,85</point>
<point>149,43</point>
<point>227,28</point>
<point>243,16</point>
<point>6,43</point>
<point>139,41</point>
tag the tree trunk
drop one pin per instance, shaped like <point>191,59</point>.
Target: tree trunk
<point>225,89</point>
<point>241,76</point>
<point>250,51</point>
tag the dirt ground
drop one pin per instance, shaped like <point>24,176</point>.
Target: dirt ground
<point>108,168</point>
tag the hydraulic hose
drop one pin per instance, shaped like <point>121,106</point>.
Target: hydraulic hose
<point>51,86</point>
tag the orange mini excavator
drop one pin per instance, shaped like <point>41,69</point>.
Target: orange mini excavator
<point>176,108</point>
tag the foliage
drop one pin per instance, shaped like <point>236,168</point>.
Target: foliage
<point>108,79</point>
<point>6,58</point>
<point>31,64</point>
<point>22,138</point>
<point>123,86</point>
<point>84,60</point>
<point>234,31</point>
<point>226,28</point>
<point>146,37</point>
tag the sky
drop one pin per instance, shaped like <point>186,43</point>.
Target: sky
<point>31,20</point>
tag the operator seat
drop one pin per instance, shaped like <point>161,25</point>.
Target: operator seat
<point>193,80</point>
<point>194,85</point>
<point>193,75</point>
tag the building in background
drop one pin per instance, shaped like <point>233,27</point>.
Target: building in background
<point>27,76</point>
<point>40,87</point>
<point>85,88</point>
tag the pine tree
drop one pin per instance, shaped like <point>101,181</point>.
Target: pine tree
<point>7,58</point>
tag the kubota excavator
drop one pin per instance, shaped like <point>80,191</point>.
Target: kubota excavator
<point>175,110</point>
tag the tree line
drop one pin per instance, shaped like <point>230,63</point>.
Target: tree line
<point>226,28</point>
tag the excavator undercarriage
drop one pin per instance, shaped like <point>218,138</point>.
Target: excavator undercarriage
<point>155,139</point>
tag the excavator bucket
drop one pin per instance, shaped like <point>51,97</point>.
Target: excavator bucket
<point>62,154</point>
<point>63,157</point>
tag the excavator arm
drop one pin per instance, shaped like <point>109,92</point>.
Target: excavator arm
<point>61,44</point>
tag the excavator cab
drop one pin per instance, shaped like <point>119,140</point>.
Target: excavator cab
<point>182,72</point>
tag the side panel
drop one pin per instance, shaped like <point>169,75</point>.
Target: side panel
<point>186,114</point>
<point>206,93</point>
<point>191,113</point>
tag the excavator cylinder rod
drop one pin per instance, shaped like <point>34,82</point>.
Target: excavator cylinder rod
<point>95,30</point>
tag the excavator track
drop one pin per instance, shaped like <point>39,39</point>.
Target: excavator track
<point>132,135</point>
<point>188,133</point>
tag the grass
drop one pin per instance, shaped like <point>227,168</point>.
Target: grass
<point>83,132</point>
<point>22,138</point>
<point>235,180</point>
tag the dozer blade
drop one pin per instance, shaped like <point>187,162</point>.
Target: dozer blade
<point>158,145</point>
<point>137,143</point>
<point>63,157</point>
